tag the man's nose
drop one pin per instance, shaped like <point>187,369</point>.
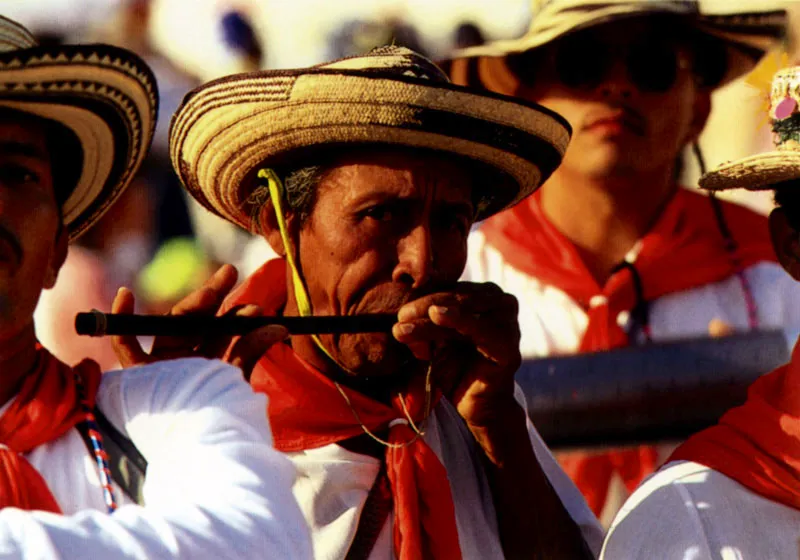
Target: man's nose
<point>616,84</point>
<point>415,258</point>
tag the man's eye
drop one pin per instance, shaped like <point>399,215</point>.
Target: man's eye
<point>379,213</point>
<point>17,174</point>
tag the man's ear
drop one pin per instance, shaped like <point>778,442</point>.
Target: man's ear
<point>268,221</point>
<point>702,109</point>
<point>57,258</point>
<point>785,241</point>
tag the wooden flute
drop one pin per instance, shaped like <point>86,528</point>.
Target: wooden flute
<point>96,323</point>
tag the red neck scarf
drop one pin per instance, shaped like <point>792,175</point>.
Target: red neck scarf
<point>683,250</point>
<point>306,411</point>
<point>758,443</point>
<point>46,407</point>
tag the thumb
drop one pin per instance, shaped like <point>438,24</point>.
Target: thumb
<point>246,351</point>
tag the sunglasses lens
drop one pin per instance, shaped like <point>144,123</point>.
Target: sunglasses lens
<point>653,67</point>
<point>581,62</point>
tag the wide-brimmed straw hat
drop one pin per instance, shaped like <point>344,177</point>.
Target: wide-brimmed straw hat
<point>762,171</point>
<point>104,95</point>
<point>227,128</point>
<point>746,35</point>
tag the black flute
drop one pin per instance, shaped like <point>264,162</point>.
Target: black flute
<point>96,323</point>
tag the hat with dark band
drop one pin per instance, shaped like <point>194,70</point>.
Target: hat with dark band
<point>227,128</point>
<point>746,35</point>
<point>104,96</point>
<point>763,171</point>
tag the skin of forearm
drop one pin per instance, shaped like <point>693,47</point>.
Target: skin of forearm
<point>532,521</point>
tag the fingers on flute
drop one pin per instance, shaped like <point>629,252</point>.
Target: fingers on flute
<point>215,347</point>
<point>246,351</point>
<point>209,297</point>
<point>127,348</point>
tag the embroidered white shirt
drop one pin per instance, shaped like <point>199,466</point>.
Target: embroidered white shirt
<point>215,488</point>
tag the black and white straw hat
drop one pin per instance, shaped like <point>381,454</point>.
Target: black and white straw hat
<point>746,32</point>
<point>227,128</point>
<point>105,95</point>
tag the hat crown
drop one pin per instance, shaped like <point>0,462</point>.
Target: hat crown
<point>391,59</point>
<point>14,37</point>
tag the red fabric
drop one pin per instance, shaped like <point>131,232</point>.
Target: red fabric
<point>46,407</point>
<point>758,443</point>
<point>683,250</point>
<point>306,411</point>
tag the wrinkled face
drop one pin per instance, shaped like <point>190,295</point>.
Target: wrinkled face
<point>29,221</point>
<point>609,83</point>
<point>386,228</point>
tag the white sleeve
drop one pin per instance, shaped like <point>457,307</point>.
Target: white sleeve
<point>658,521</point>
<point>570,496</point>
<point>215,488</point>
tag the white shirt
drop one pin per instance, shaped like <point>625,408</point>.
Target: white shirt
<point>553,323</point>
<point>688,511</point>
<point>333,484</point>
<point>215,488</point>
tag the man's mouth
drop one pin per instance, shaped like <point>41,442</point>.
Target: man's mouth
<point>616,121</point>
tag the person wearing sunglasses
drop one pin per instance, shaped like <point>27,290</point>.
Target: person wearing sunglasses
<point>733,490</point>
<point>612,251</point>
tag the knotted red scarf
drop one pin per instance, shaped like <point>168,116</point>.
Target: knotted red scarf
<point>306,411</point>
<point>46,407</point>
<point>758,443</point>
<point>683,250</point>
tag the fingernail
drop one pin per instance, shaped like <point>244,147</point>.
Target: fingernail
<point>405,328</point>
<point>250,309</point>
<point>404,314</point>
<point>440,309</point>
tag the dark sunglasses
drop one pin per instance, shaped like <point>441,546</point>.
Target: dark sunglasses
<point>584,62</point>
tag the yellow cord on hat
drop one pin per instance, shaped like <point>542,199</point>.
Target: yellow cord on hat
<point>276,193</point>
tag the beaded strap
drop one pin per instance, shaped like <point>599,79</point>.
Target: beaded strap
<point>99,452</point>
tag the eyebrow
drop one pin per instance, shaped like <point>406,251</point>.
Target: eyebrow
<point>15,148</point>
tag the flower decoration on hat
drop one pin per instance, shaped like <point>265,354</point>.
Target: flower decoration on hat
<point>784,111</point>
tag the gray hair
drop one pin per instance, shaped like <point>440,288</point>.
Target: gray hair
<point>300,194</point>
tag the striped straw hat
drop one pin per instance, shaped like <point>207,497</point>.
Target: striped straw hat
<point>104,95</point>
<point>763,171</point>
<point>746,34</point>
<point>227,128</point>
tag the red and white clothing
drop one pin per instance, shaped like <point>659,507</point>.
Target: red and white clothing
<point>687,277</point>
<point>442,504</point>
<point>215,487</point>
<point>730,491</point>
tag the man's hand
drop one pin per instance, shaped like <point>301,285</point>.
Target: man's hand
<point>206,300</point>
<point>475,336</point>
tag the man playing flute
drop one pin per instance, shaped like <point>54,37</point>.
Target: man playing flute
<point>366,175</point>
<point>75,125</point>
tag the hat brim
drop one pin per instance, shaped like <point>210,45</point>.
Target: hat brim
<point>106,96</point>
<point>224,130</point>
<point>747,36</point>
<point>755,173</point>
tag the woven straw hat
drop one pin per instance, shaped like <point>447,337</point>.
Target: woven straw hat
<point>391,96</point>
<point>762,171</point>
<point>105,95</point>
<point>747,36</point>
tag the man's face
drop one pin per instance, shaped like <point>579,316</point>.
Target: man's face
<point>608,82</point>
<point>29,221</point>
<point>387,227</point>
